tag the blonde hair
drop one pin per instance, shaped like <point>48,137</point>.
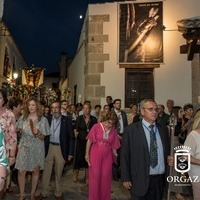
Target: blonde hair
<point>38,106</point>
<point>196,122</point>
<point>109,116</point>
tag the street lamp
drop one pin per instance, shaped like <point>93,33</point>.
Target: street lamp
<point>15,75</point>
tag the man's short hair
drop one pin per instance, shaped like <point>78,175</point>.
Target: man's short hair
<point>187,106</point>
<point>116,100</point>
<point>97,106</point>
<point>162,106</point>
<point>64,100</point>
<point>109,97</point>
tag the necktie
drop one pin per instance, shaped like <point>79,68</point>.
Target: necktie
<point>153,148</point>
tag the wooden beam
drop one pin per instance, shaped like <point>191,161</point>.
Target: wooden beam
<point>141,66</point>
<point>184,49</point>
<point>191,49</point>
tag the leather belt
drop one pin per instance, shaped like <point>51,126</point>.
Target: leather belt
<point>54,143</point>
<point>156,175</point>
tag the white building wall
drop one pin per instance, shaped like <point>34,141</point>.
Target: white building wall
<point>173,78</point>
<point>113,77</point>
<point>7,41</point>
<point>49,80</point>
<point>14,51</point>
<point>76,70</point>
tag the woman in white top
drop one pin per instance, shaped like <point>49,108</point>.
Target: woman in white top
<point>193,141</point>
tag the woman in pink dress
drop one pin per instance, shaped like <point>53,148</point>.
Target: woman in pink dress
<point>102,143</point>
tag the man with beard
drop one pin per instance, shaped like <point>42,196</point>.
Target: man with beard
<point>60,147</point>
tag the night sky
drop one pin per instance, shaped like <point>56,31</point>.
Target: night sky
<point>43,29</point>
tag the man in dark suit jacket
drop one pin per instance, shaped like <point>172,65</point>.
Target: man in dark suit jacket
<point>144,180</point>
<point>121,124</point>
<point>122,118</point>
<point>59,149</point>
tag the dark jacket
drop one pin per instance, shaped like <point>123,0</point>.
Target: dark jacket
<point>164,119</point>
<point>124,119</point>
<point>66,137</point>
<point>135,158</point>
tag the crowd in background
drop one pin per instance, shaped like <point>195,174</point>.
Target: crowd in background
<point>35,137</point>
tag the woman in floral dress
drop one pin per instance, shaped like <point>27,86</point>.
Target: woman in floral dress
<point>31,153</point>
<point>7,122</point>
<point>15,105</point>
<point>3,160</point>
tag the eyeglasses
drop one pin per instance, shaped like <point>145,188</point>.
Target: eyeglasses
<point>151,109</point>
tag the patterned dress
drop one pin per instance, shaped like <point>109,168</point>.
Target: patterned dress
<point>101,159</point>
<point>7,122</point>
<point>31,151</point>
<point>3,157</point>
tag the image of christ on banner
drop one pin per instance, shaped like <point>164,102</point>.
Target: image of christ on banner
<point>140,32</point>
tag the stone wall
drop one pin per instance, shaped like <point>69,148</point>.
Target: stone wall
<point>95,58</point>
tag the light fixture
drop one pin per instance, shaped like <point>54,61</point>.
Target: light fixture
<point>15,75</point>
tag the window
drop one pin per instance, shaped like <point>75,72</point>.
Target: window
<point>139,85</point>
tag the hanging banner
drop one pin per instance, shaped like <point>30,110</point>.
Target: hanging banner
<point>140,32</point>
<point>6,65</point>
<point>32,76</point>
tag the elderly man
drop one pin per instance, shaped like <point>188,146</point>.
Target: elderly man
<point>145,147</point>
<point>169,104</point>
<point>60,149</point>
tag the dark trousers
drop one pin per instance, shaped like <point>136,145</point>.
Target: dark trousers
<point>116,170</point>
<point>155,190</point>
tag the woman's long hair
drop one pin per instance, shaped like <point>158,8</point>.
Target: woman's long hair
<point>4,95</point>
<point>38,106</point>
<point>196,122</point>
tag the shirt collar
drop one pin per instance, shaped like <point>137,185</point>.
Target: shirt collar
<point>147,124</point>
<point>56,118</point>
<point>118,112</point>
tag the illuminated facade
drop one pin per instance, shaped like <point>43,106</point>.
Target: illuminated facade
<point>96,71</point>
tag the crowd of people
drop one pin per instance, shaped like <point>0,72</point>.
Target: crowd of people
<point>107,142</point>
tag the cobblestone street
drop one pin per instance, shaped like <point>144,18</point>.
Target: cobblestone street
<point>71,190</point>
<point>77,191</point>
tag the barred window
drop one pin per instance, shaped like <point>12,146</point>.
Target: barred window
<point>139,84</point>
